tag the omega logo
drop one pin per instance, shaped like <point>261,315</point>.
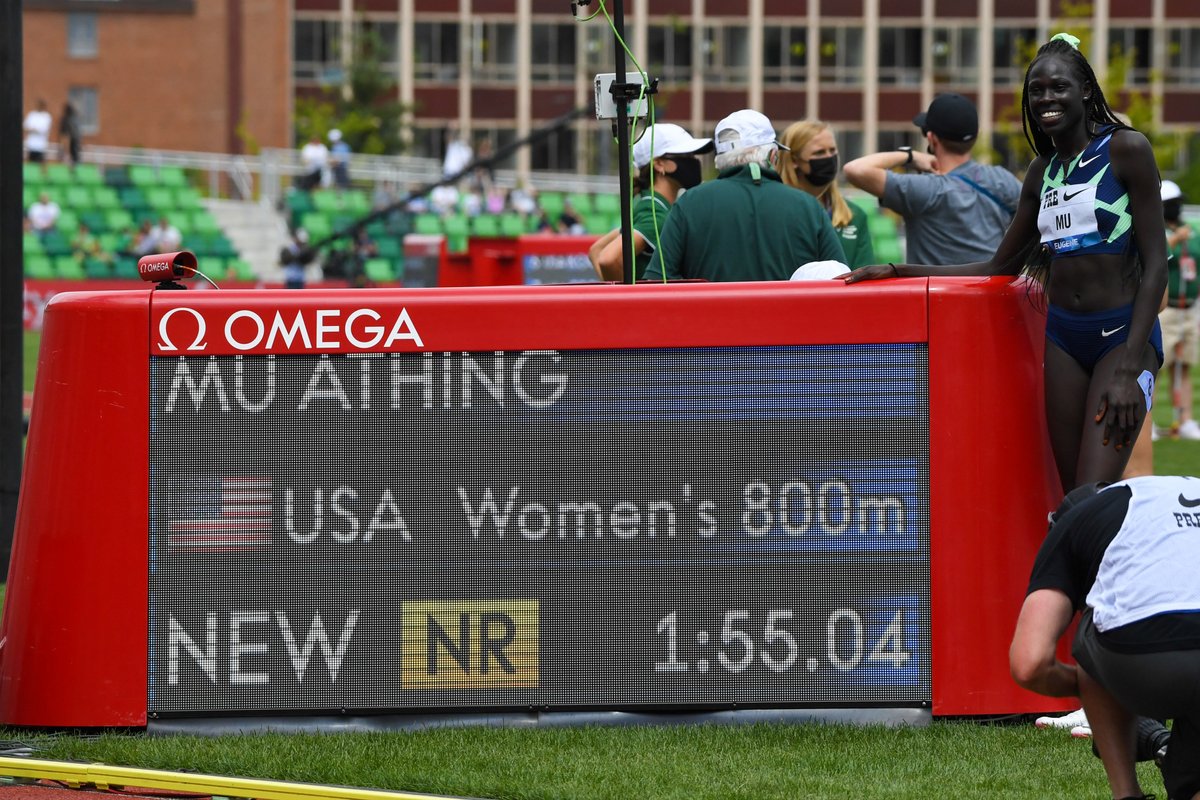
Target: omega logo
<point>165,341</point>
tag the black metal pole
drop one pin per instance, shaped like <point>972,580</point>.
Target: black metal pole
<point>628,266</point>
<point>12,272</point>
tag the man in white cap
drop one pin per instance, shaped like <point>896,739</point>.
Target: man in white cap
<point>955,209</point>
<point>747,225</point>
<point>339,159</point>
<point>667,163</point>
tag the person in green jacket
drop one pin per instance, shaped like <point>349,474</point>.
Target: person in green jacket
<point>746,225</point>
<point>666,160</point>
<point>811,164</point>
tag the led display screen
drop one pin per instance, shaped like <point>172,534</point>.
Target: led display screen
<point>676,527</point>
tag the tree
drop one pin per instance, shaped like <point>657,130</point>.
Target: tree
<point>368,115</point>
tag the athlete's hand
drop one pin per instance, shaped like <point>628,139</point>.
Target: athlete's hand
<point>1120,410</point>
<point>871,273</point>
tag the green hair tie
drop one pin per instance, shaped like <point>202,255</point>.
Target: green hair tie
<point>1068,38</point>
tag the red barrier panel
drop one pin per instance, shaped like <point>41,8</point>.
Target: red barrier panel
<point>87,621</point>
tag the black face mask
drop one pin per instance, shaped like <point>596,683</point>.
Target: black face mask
<point>1172,209</point>
<point>822,171</point>
<point>687,172</point>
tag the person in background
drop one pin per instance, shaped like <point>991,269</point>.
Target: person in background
<point>955,210</point>
<point>167,238</point>
<point>69,135</point>
<point>314,159</point>
<point>568,220</point>
<point>43,215</point>
<point>292,259</point>
<point>458,152</point>
<point>746,225</point>
<point>339,159</point>
<point>666,160</point>
<point>37,126</point>
<point>811,164</point>
<point>1180,318</point>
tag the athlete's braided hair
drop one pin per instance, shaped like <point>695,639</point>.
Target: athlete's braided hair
<point>1096,106</point>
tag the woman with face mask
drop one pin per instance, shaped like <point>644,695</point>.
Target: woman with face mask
<point>666,160</point>
<point>812,166</point>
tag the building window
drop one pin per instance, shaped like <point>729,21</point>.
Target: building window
<point>436,44</point>
<point>494,51</point>
<point>553,56</point>
<point>81,35</point>
<point>955,56</point>
<point>900,56</point>
<point>670,47</point>
<point>387,44</point>
<point>785,54</point>
<point>1132,45</point>
<point>86,101</point>
<point>555,153</point>
<point>1013,49</point>
<point>315,51</point>
<point>842,56</point>
<point>727,54</point>
<point>1183,57</point>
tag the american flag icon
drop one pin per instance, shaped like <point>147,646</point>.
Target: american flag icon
<point>222,515</point>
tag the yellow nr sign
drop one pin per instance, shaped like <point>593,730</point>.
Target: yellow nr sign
<point>470,644</point>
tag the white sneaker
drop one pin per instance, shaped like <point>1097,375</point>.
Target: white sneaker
<point>1082,732</point>
<point>1189,430</point>
<point>1075,719</point>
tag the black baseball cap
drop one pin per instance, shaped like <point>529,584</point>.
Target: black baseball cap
<point>951,116</point>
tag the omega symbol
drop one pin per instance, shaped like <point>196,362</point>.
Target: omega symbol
<point>165,341</point>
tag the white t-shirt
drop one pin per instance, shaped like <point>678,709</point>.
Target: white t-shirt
<point>43,215</point>
<point>314,155</point>
<point>37,131</point>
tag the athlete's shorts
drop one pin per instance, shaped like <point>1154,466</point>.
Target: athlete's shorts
<point>1087,338</point>
<point>1157,685</point>
<point>1181,326</point>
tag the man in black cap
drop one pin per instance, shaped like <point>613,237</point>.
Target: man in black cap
<point>955,210</point>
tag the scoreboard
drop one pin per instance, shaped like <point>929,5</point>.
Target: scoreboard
<point>554,498</point>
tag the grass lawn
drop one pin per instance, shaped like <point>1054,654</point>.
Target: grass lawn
<point>946,759</point>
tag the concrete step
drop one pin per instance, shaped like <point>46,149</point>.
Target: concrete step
<point>256,230</point>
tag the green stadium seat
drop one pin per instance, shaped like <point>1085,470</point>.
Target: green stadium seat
<point>220,246</point>
<point>172,177</point>
<point>188,199</point>
<point>142,175</point>
<point>160,198</point>
<point>132,198</point>
<point>202,221</point>
<point>88,175</point>
<point>96,268</point>
<point>887,249</point>
<point>56,243</point>
<point>317,225</point>
<point>485,225</point>
<point>606,203</point>
<point>68,222</point>
<point>96,221</point>
<point>31,244</point>
<point>39,266</point>
<point>105,197</point>
<point>241,269</point>
<point>427,224</point>
<point>119,219</point>
<point>551,203</point>
<point>69,268</point>
<point>326,200</point>
<point>596,223</point>
<point>379,270</point>
<point>113,242</point>
<point>59,174</point>
<point>581,202</point>
<point>117,176</point>
<point>32,174</point>
<point>78,198</point>
<point>512,224</point>
<point>389,247</point>
<point>29,196</point>
<point>125,267</point>
<point>458,229</point>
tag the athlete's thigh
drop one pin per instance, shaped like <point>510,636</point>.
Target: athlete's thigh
<point>1099,461</point>
<point>1066,387</point>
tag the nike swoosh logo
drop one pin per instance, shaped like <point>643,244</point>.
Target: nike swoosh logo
<point>1087,161</point>
<point>1106,334</point>
<point>1183,501</point>
<point>1067,197</point>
